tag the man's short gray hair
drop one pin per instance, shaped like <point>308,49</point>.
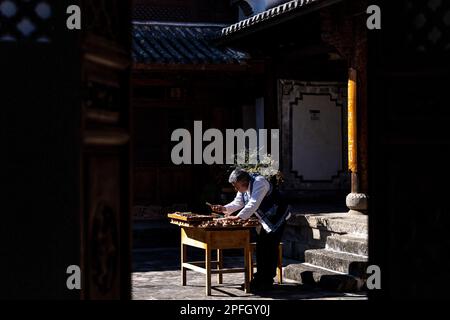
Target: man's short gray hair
<point>239,175</point>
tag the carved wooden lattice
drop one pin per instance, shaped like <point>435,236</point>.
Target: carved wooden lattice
<point>427,25</point>
<point>26,20</point>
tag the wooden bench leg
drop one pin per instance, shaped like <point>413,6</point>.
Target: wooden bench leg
<point>208,270</point>
<point>183,259</point>
<point>280,263</point>
<point>219,265</point>
<point>247,267</point>
<point>250,262</point>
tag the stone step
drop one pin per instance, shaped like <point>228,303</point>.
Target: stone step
<point>348,244</point>
<point>326,279</point>
<point>338,261</point>
<point>341,222</point>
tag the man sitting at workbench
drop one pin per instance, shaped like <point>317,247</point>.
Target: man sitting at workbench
<point>256,195</point>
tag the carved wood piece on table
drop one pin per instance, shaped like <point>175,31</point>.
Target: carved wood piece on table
<point>189,219</point>
<point>189,216</point>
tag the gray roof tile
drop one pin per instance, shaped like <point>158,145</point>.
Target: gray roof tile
<point>181,43</point>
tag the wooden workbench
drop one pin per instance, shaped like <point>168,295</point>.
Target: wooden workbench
<point>215,239</point>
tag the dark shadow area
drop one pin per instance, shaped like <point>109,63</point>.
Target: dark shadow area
<point>317,208</point>
<point>294,291</point>
<point>168,258</point>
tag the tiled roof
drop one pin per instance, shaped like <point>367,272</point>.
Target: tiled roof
<point>181,43</point>
<point>266,15</point>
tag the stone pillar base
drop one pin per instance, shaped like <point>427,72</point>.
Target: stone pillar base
<point>357,203</point>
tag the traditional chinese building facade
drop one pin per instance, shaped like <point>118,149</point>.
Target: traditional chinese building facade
<point>289,66</point>
<point>180,75</point>
<point>86,117</point>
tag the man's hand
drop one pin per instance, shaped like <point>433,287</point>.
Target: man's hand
<point>218,208</point>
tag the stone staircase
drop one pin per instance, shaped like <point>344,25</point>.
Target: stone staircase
<point>338,260</point>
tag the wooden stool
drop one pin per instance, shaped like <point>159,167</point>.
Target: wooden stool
<point>279,263</point>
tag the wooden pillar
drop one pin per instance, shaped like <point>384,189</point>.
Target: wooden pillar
<point>352,130</point>
<point>347,33</point>
<point>352,150</point>
<point>355,201</point>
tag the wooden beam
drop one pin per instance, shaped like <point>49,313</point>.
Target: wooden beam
<point>228,270</point>
<point>193,267</point>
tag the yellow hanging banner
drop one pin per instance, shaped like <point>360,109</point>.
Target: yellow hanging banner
<point>351,111</point>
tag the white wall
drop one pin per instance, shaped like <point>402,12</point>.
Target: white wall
<point>313,145</point>
<point>316,138</point>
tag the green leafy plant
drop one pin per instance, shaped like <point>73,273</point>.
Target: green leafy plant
<point>252,162</point>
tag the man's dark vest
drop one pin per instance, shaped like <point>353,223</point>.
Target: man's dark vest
<point>273,209</point>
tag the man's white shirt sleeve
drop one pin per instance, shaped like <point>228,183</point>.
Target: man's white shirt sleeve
<point>235,205</point>
<point>260,188</point>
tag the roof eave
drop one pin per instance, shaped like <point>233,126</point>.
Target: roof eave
<point>230,38</point>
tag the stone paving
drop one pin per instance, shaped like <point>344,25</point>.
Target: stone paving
<point>156,276</point>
